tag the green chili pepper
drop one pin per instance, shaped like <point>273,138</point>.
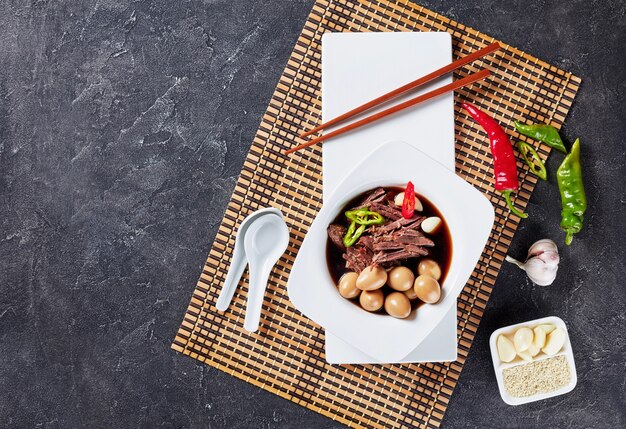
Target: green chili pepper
<point>542,132</point>
<point>353,234</point>
<point>573,199</point>
<point>531,157</point>
<point>365,217</point>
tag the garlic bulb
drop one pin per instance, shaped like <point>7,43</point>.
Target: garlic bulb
<point>542,262</point>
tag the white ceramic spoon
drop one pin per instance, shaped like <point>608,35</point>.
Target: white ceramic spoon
<point>265,241</point>
<point>238,261</point>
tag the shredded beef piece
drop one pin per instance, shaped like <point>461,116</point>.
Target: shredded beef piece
<point>336,233</point>
<point>400,244</point>
<point>387,211</point>
<point>417,250</point>
<point>388,227</point>
<point>367,241</point>
<point>388,245</point>
<point>408,232</point>
<point>375,197</point>
<point>358,256</point>
<point>395,234</point>
<point>408,252</point>
<point>353,259</point>
<point>400,239</point>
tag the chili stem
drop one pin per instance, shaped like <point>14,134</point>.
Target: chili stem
<point>509,203</point>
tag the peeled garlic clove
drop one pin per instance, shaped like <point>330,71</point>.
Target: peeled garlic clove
<point>431,225</point>
<point>526,356</point>
<point>554,342</point>
<point>533,349</point>
<point>418,205</point>
<point>506,350</point>
<point>399,199</point>
<point>547,327</point>
<point>522,339</point>
<point>539,338</point>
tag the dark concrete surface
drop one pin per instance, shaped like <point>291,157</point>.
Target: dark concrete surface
<point>123,126</point>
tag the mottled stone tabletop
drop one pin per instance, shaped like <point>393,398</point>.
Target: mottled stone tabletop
<point>123,127</point>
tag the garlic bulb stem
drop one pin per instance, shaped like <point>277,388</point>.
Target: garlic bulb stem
<point>516,262</point>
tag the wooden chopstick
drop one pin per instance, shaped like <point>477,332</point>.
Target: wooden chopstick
<point>411,85</point>
<point>412,102</point>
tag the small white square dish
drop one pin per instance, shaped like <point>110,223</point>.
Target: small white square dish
<point>468,214</point>
<point>555,371</point>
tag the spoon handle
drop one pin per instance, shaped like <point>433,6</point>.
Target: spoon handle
<point>237,265</point>
<point>258,283</point>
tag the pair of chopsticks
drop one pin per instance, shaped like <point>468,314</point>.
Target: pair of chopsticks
<point>396,92</point>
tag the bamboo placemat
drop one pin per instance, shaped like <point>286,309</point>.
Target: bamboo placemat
<point>286,355</point>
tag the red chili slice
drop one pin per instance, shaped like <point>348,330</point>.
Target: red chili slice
<point>408,204</point>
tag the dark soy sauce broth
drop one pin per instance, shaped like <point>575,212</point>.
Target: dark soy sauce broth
<point>441,252</point>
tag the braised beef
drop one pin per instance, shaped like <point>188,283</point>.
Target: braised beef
<point>402,238</point>
<point>406,253</point>
<point>400,244</point>
<point>367,241</point>
<point>359,256</point>
<point>388,245</point>
<point>398,241</point>
<point>386,210</point>
<point>412,223</point>
<point>376,196</point>
<point>336,233</point>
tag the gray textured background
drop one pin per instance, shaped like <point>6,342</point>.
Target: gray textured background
<point>123,126</point>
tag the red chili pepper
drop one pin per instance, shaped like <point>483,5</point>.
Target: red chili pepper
<point>504,167</point>
<point>408,204</point>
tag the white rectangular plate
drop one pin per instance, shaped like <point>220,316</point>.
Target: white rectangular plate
<point>357,67</point>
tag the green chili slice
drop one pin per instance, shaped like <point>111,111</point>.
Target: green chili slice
<point>531,157</point>
<point>353,234</point>
<point>543,133</point>
<point>365,217</point>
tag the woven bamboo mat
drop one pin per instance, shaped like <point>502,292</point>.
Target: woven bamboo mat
<point>286,355</point>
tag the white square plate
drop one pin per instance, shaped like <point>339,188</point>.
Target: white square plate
<point>438,346</point>
<point>357,67</point>
<point>469,216</point>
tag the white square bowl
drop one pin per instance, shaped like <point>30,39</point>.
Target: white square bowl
<point>499,367</point>
<point>469,216</point>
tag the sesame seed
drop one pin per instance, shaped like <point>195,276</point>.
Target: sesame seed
<point>541,376</point>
